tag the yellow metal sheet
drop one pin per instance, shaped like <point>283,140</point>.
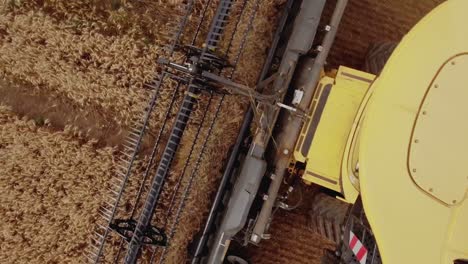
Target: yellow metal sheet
<point>439,144</point>
<point>410,225</point>
<point>350,165</point>
<point>325,138</point>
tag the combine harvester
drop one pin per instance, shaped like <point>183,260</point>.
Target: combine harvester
<point>389,151</point>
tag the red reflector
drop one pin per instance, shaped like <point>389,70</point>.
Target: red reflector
<point>358,248</point>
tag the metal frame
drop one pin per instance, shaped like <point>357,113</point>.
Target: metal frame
<point>137,230</point>
<point>199,72</point>
<point>292,126</point>
<point>208,230</point>
<point>254,165</point>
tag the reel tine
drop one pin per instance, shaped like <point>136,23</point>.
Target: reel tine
<point>141,124</point>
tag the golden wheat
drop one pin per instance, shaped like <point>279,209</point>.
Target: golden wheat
<point>99,57</point>
<point>50,186</point>
<point>89,68</point>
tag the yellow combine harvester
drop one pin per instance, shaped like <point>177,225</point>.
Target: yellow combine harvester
<point>393,144</point>
<point>399,142</point>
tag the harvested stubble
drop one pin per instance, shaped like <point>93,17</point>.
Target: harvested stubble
<point>292,242</point>
<point>51,185</point>
<point>368,22</point>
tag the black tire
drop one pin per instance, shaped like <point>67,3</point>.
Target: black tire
<point>232,259</point>
<point>377,56</point>
<point>327,217</point>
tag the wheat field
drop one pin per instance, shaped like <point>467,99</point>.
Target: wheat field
<point>51,184</point>
<point>90,59</point>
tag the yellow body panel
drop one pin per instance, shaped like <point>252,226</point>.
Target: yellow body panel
<point>323,141</point>
<point>438,135</point>
<point>411,223</point>
<point>350,163</point>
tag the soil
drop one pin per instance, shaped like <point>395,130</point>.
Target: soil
<point>293,239</point>
<point>292,242</point>
<point>373,21</point>
<point>41,107</point>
